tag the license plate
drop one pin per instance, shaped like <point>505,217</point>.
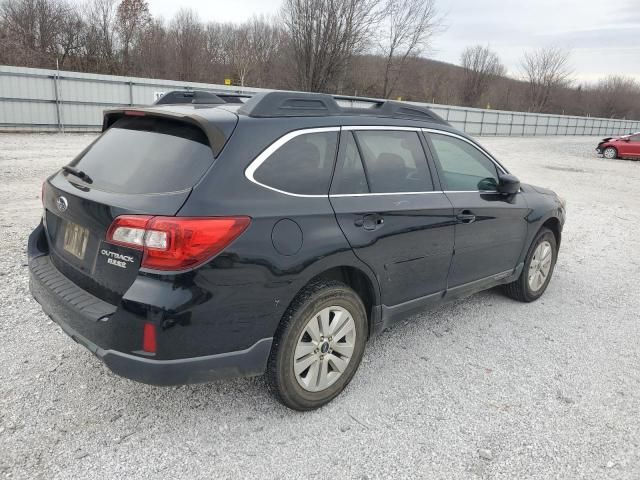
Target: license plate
<point>75,240</point>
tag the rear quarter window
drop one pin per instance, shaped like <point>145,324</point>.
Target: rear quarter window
<point>146,155</point>
<point>302,166</point>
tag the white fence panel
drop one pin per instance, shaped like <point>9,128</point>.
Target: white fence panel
<point>34,99</point>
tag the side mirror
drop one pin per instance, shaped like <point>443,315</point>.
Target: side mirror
<point>508,184</point>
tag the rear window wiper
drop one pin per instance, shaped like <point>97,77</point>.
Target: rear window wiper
<point>77,173</point>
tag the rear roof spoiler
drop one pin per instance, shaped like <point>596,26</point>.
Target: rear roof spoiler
<point>218,130</point>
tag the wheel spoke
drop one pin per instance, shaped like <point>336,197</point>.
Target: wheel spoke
<point>339,364</point>
<point>546,252</point>
<point>344,349</point>
<point>339,318</point>
<point>303,349</point>
<point>311,379</point>
<point>302,364</point>
<point>313,330</point>
<point>323,380</point>
<point>347,327</point>
<point>324,322</point>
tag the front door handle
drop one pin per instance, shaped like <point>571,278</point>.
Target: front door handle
<point>370,222</point>
<point>466,216</point>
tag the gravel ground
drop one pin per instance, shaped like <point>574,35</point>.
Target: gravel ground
<point>481,388</point>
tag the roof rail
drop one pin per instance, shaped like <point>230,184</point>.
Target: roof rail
<point>199,97</point>
<point>233,97</point>
<point>295,104</point>
<point>290,104</point>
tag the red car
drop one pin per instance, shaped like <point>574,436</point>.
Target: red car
<point>626,146</point>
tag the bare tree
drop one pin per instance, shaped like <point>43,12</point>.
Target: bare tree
<point>70,39</point>
<point>324,35</point>
<point>132,19</point>
<point>240,51</point>
<point>188,37</point>
<point>480,66</point>
<point>48,29</point>
<point>267,41</point>
<point>151,51</point>
<point>616,96</point>
<point>101,38</point>
<point>405,31</point>
<point>546,70</point>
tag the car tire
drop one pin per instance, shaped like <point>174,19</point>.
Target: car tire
<point>610,152</point>
<point>537,271</point>
<point>320,310</point>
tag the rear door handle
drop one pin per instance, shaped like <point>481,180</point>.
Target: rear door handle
<point>466,217</point>
<point>370,222</point>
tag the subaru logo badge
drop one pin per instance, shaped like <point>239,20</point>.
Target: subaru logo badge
<point>62,204</point>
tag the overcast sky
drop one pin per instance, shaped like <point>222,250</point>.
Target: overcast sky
<point>604,36</point>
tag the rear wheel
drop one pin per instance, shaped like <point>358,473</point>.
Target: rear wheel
<point>318,346</point>
<point>538,268</point>
<point>610,153</point>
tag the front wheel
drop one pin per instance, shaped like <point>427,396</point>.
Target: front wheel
<point>538,268</point>
<point>318,346</point>
<point>610,153</point>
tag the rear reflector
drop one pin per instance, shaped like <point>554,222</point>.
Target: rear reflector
<point>134,113</point>
<point>176,243</point>
<point>149,338</point>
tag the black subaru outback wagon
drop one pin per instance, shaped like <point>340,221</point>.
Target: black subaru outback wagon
<point>234,237</point>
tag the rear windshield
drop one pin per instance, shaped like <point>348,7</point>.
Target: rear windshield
<point>146,155</point>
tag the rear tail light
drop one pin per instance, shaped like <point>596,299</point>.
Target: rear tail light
<point>176,243</point>
<point>129,230</point>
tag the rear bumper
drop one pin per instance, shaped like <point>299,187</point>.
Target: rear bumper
<point>244,363</point>
<point>80,314</point>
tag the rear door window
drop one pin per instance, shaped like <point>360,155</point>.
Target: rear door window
<point>302,166</point>
<point>146,155</point>
<point>394,161</point>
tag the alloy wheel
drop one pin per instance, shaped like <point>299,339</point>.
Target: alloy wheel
<point>324,348</point>
<point>540,266</point>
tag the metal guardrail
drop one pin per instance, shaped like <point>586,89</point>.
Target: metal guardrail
<point>48,100</point>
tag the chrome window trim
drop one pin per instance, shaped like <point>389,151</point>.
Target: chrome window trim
<point>381,194</point>
<point>266,153</point>
<point>381,127</point>
<point>477,147</point>
<point>333,195</point>
<point>271,149</point>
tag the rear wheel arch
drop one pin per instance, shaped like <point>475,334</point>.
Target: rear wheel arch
<point>356,279</point>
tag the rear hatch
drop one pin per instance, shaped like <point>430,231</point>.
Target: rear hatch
<point>142,164</point>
